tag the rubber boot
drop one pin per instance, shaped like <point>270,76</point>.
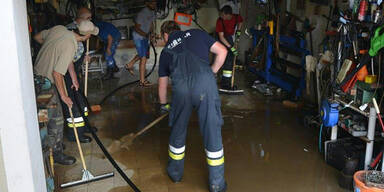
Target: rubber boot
<point>226,83</point>
<point>175,170</point>
<point>217,181</point>
<point>80,132</point>
<point>63,159</point>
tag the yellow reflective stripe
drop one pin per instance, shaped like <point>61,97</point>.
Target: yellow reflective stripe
<point>86,113</point>
<point>176,157</point>
<point>82,124</point>
<point>227,73</point>
<point>215,162</point>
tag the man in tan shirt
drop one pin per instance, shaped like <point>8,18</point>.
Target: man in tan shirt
<point>55,58</point>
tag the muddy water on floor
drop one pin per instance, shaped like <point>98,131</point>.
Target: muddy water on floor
<point>266,147</point>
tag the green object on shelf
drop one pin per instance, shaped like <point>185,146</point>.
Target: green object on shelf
<point>364,93</point>
<point>377,42</point>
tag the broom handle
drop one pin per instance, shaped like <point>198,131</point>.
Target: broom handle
<point>150,125</point>
<point>234,65</point>
<point>75,130</point>
<point>233,71</point>
<point>51,161</point>
<point>86,72</point>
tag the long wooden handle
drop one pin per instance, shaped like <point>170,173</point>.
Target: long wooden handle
<point>233,72</point>
<point>51,161</point>
<point>234,64</point>
<point>75,130</point>
<point>150,125</point>
<point>86,72</point>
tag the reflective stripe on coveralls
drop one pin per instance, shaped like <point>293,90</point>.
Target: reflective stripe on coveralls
<point>227,73</point>
<point>85,111</point>
<point>176,153</point>
<point>215,158</point>
<point>79,122</point>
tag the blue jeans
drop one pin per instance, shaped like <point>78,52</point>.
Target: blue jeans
<point>111,63</point>
<point>142,47</point>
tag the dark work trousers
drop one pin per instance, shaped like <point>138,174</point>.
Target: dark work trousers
<point>55,125</point>
<point>79,121</point>
<point>194,87</point>
<point>227,67</point>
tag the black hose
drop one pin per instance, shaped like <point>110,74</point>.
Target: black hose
<point>133,82</point>
<point>106,153</point>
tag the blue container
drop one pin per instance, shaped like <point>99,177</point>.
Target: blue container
<point>329,113</point>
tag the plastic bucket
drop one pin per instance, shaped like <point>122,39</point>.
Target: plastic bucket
<point>359,185</point>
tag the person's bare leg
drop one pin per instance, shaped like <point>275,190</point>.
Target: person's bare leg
<point>143,62</point>
<point>133,61</point>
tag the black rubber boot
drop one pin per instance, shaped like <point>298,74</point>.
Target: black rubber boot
<point>80,131</point>
<point>63,159</point>
<point>226,83</point>
<point>83,139</point>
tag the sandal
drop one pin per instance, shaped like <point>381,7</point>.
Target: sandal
<point>129,69</point>
<point>146,83</point>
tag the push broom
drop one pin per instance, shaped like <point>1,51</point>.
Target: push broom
<point>127,140</point>
<point>87,176</point>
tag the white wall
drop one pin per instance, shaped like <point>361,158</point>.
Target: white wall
<point>19,132</point>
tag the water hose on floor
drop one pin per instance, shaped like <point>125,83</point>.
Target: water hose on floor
<point>320,132</point>
<point>100,144</point>
<point>94,135</point>
<point>133,82</point>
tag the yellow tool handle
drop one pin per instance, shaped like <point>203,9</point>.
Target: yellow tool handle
<point>86,72</point>
<point>151,125</point>
<point>270,25</point>
<point>52,162</point>
<point>75,130</point>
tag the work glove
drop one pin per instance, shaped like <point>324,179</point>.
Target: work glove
<point>238,33</point>
<point>165,108</point>
<point>234,51</point>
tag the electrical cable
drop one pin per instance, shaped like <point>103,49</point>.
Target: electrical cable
<point>132,82</point>
<point>106,153</point>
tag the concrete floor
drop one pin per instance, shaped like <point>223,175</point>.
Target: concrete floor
<point>266,146</point>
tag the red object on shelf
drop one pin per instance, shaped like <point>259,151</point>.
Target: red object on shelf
<point>348,86</point>
<point>362,10</point>
<point>331,33</point>
<point>183,19</point>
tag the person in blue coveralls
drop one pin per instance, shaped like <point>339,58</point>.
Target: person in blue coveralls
<point>185,59</point>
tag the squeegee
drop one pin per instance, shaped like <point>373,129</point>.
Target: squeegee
<point>87,176</point>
